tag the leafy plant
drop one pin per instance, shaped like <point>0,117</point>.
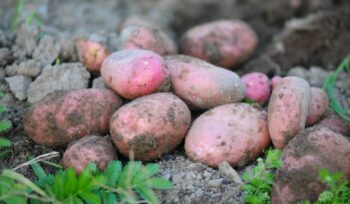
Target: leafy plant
<point>257,182</point>
<point>4,125</point>
<point>329,85</point>
<point>115,184</point>
<point>32,17</point>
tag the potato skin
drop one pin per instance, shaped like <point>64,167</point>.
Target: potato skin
<point>236,133</point>
<point>318,105</point>
<point>202,85</point>
<point>334,122</point>
<point>288,109</point>
<point>150,126</point>
<point>312,149</point>
<point>63,116</point>
<point>135,72</point>
<point>257,87</point>
<point>89,149</point>
<point>223,42</point>
<point>140,37</point>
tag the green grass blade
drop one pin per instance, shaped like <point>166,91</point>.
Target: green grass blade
<point>159,183</point>
<point>39,171</point>
<point>5,142</point>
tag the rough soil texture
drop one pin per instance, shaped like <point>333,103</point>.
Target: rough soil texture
<point>307,38</point>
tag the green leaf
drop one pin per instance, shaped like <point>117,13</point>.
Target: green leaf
<point>159,183</point>
<point>71,181</point>
<point>108,198</point>
<point>4,125</point>
<point>39,171</point>
<point>152,169</point>
<point>58,185</point>
<point>147,194</point>
<point>112,172</point>
<point>90,197</point>
<point>85,177</point>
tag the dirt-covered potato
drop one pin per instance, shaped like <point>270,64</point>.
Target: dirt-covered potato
<point>223,42</point>
<point>318,105</point>
<point>334,122</point>
<point>288,109</point>
<point>312,149</point>
<point>91,53</point>
<point>135,72</point>
<point>257,87</point>
<point>89,149</point>
<point>150,126</point>
<point>63,116</point>
<point>202,85</point>
<point>140,37</point>
<point>236,133</point>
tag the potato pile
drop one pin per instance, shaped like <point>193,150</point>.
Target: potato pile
<point>151,99</point>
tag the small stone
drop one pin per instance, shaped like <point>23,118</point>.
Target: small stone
<point>47,51</point>
<point>227,171</point>
<point>26,38</point>
<point>215,182</point>
<point>4,56</point>
<point>19,85</point>
<point>30,68</point>
<point>98,83</point>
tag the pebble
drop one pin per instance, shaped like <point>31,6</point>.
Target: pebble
<point>19,85</point>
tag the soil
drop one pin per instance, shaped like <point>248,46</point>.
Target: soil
<point>286,46</point>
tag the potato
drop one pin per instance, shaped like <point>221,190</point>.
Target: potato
<point>91,54</point>
<point>318,105</point>
<point>147,38</point>
<point>303,157</point>
<point>63,116</point>
<point>257,87</point>
<point>236,133</point>
<point>288,109</point>
<point>89,149</point>
<point>334,122</point>
<point>224,42</point>
<point>150,126</point>
<point>140,20</point>
<point>134,73</point>
<point>275,80</point>
<point>202,85</point>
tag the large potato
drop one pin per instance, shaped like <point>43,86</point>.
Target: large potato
<point>202,85</point>
<point>150,126</point>
<point>236,133</point>
<point>288,109</point>
<point>312,149</point>
<point>223,42</point>
<point>134,73</point>
<point>89,149</point>
<point>318,105</point>
<point>63,116</point>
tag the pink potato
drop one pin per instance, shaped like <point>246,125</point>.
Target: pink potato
<point>133,37</point>
<point>224,42</point>
<point>140,20</point>
<point>257,87</point>
<point>150,126</point>
<point>63,116</point>
<point>89,149</point>
<point>91,54</point>
<point>134,73</point>
<point>334,122</point>
<point>202,85</point>
<point>236,133</point>
<point>312,149</point>
<point>275,80</point>
<point>288,109</point>
<point>318,105</point>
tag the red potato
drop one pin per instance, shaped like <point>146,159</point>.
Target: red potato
<point>91,54</point>
<point>318,105</point>
<point>63,116</point>
<point>275,80</point>
<point>312,149</point>
<point>334,122</point>
<point>224,42</point>
<point>134,73</point>
<point>150,126</point>
<point>236,133</point>
<point>89,149</point>
<point>257,87</point>
<point>202,85</point>
<point>133,37</point>
<point>288,109</point>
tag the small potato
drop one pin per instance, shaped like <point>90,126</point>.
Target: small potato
<point>257,87</point>
<point>224,42</point>
<point>134,73</point>
<point>91,54</point>
<point>63,116</point>
<point>236,133</point>
<point>202,85</point>
<point>318,105</point>
<point>89,149</point>
<point>275,80</point>
<point>133,37</point>
<point>311,150</point>
<point>150,126</point>
<point>288,109</point>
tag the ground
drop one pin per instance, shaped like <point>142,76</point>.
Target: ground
<point>307,38</point>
